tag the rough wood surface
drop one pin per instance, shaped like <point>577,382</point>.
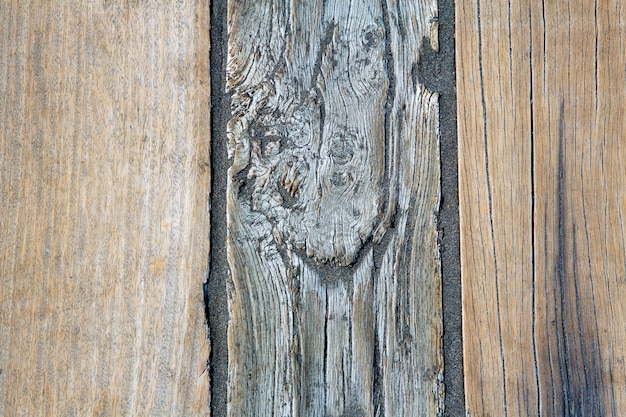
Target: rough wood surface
<point>542,200</point>
<point>335,299</point>
<point>104,176</point>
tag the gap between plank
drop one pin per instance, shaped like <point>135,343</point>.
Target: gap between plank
<point>215,288</point>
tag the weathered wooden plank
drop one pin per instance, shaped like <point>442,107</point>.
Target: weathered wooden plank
<point>104,175</point>
<point>542,192</point>
<point>335,302</point>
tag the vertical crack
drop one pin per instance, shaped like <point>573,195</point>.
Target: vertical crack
<point>489,198</point>
<point>562,341</point>
<point>389,178</point>
<point>532,214</point>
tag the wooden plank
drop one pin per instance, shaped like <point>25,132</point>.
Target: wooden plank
<point>335,302</point>
<point>495,198</point>
<point>104,175</point>
<point>542,192</point>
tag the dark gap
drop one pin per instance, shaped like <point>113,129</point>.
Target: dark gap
<point>216,300</point>
<point>436,71</point>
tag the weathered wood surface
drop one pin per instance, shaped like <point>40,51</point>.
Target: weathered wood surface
<point>104,176</point>
<point>541,116</point>
<point>335,302</point>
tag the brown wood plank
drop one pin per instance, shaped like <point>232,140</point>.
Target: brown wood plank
<point>542,191</point>
<point>333,191</point>
<point>104,177</point>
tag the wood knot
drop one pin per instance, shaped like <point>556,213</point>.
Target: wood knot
<point>341,178</point>
<point>342,148</point>
<point>371,35</point>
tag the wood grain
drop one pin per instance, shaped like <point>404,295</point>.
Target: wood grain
<point>335,302</point>
<point>104,178</point>
<point>542,196</point>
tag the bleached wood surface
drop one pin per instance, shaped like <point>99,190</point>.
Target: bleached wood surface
<point>542,157</point>
<point>335,300</point>
<point>104,181</point>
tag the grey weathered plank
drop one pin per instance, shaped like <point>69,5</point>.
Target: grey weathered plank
<point>335,300</point>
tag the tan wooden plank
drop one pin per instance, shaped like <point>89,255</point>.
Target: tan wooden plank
<point>104,176</point>
<point>493,84</point>
<point>542,192</point>
<point>333,191</point>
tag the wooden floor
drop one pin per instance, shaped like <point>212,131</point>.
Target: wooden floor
<point>542,173</point>
<point>332,199</point>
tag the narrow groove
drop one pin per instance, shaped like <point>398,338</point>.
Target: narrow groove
<point>389,179</point>
<point>532,216</point>
<point>493,242</point>
<point>563,346</point>
<point>216,307</point>
<point>547,273</point>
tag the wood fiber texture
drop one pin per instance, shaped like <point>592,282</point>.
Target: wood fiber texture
<point>104,180</point>
<point>335,302</point>
<point>542,155</point>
